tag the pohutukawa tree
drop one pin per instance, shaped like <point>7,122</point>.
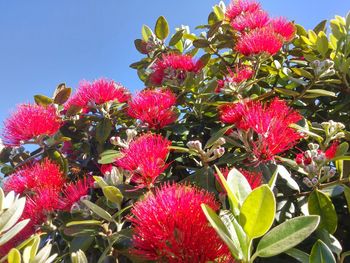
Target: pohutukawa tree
<point>235,151</point>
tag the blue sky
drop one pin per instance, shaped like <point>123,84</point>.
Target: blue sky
<point>43,43</point>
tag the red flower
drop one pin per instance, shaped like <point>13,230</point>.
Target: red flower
<point>254,178</point>
<point>332,150</point>
<point>235,77</point>
<point>241,7</point>
<point>269,122</point>
<point>28,122</point>
<point>173,67</point>
<point>154,107</point>
<point>98,92</point>
<point>250,21</point>
<point>169,226</point>
<point>73,192</point>
<point>31,179</point>
<point>283,27</point>
<point>145,159</point>
<point>259,41</point>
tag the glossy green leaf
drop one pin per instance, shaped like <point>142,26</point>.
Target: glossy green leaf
<point>42,100</point>
<point>216,136</point>
<point>315,93</point>
<point>146,32</point>
<point>84,222</point>
<point>62,95</point>
<point>239,185</point>
<point>320,26</point>
<point>221,229</point>
<point>176,37</point>
<point>322,43</point>
<point>109,156</point>
<point>98,210</point>
<point>320,253</point>
<point>162,28</point>
<point>299,255</point>
<point>258,212</point>
<point>320,204</point>
<point>234,203</point>
<point>201,43</point>
<point>113,194</point>
<point>286,235</point>
<point>103,129</point>
<point>140,46</point>
<point>13,231</point>
<point>14,256</point>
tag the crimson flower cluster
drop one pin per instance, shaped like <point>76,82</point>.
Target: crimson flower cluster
<point>155,107</point>
<point>145,159</point>
<point>28,122</point>
<point>269,124</point>
<point>46,190</point>
<point>97,92</point>
<point>258,32</point>
<point>173,67</point>
<point>169,226</point>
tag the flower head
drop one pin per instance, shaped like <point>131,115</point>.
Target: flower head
<point>154,107</point>
<point>73,193</point>
<point>173,67</point>
<point>169,226</point>
<point>250,21</point>
<point>33,178</point>
<point>241,7</point>
<point>283,28</point>
<point>259,41</point>
<point>145,159</point>
<point>330,153</point>
<point>28,122</point>
<point>98,92</point>
<point>269,124</point>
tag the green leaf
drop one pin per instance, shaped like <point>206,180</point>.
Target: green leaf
<point>201,43</point>
<point>347,196</point>
<point>14,256</point>
<point>220,14</point>
<point>140,46</point>
<point>176,37</point>
<point>322,43</point>
<point>78,257</point>
<point>258,212</point>
<point>315,93</point>
<point>62,95</point>
<point>216,136</point>
<point>302,72</point>
<point>113,194</point>
<point>306,131</point>
<point>42,100</point>
<point>13,231</point>
<point>299,255</point>
<point>320,253</point>
<point>162,28</point>
<point>109,156</point>
<point>287,235</point>
<point>10,217</point>
<point>285,175</point>
<point>342,149</point>
<point>234,204</point>
<point>103,129</point>
<point>221,229</point>
<point>98,210</point>
<point>320,204</point>
<point>238,184</point>
<point>146,32</point>
<point>320,27</point>
<point>84,222</point>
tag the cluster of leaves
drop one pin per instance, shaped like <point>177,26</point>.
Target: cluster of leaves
<point>299,214</point>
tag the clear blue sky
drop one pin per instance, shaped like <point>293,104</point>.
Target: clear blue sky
<point>43,43</point>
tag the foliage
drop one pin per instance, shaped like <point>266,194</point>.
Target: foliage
<point>253,111</point>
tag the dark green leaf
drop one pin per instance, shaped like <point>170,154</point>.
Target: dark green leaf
<point>201,43</point>
<point>176,37</point>
<point>103,129</point>
<point>42,100</point>
<point>62,95</point>
<point>320,27</point>
<point>320,253</point>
